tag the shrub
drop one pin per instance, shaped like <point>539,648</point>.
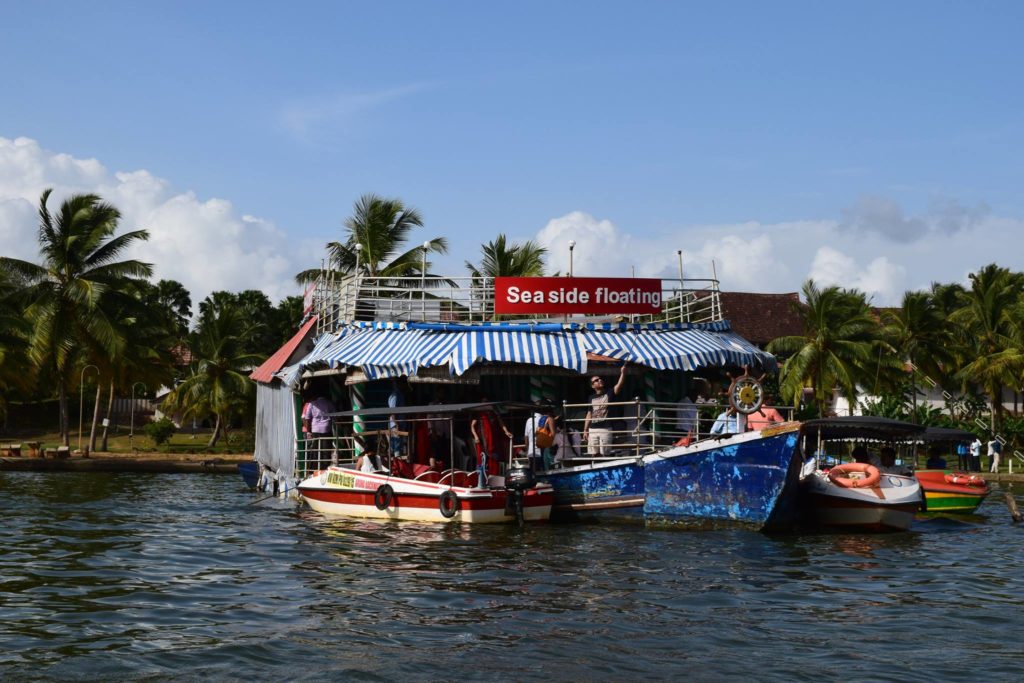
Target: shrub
<point>160,431</point>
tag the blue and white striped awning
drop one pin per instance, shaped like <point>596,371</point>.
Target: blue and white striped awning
<point>404,352</point>
<point>677,349</point>
<point>396,349</point>
<point>559,349</point>
<point>323,346</point>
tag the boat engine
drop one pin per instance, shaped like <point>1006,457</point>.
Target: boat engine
<point>518,480</point>
<point>520,475</point>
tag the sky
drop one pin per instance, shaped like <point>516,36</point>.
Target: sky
<point>875,145</point>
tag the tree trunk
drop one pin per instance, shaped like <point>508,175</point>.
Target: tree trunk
<point>62,400</point>
<point>216,433</point>
<point>95,418</point>
<point>110,412</point>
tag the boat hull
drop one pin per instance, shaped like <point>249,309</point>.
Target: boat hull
<point>607,492</point>
<point>747,479</point>
<point>345,492</point>
<point>891,506</point>
<point>942,496</point>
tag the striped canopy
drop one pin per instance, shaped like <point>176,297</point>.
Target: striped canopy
<point>390,350</point>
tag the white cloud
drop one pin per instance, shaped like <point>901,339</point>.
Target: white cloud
<point>308,117</point>
<point>204,244</point>
<point>880,279</point>
<point>883,261</point>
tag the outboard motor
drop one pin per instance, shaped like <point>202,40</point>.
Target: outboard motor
<point>518,479</point>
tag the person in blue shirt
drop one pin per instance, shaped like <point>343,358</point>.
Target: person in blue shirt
<point>729,422</point>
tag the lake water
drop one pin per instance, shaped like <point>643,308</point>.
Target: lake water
<point>180,577</point>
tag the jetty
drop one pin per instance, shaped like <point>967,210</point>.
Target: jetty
<point>154,463</point>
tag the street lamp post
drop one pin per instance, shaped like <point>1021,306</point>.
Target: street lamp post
<point>131,429</point>
<point>81,400</point>
<point>572,245</point>
<point>423,278</point>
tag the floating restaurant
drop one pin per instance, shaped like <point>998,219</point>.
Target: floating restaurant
<point>368,343</point>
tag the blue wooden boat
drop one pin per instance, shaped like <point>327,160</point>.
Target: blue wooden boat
<point>611,491</point>
<point>749,479</point>
<point>250,472</point>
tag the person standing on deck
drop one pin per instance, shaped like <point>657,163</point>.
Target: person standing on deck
<point>490,447</point>
<point>317,423</point>
<point>597,427</point>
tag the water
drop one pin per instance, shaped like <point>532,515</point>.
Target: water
<point>178,577</point>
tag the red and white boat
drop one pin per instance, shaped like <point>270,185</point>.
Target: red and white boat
<point>450,496</point>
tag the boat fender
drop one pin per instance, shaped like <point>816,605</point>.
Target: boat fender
<point>449,504</point>
<point>965,479</point>
<point>382,498</point>
<point>838,475</point>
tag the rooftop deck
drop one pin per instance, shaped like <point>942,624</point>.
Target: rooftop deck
<point>341,299</point>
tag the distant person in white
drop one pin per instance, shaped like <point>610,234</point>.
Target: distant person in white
<point>994,450</point>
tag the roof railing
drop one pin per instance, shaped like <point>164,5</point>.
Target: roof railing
<point>339,299</point>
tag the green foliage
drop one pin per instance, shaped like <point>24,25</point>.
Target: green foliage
<point>160,430</point>
<point>503,259</point>
<point>840,347</point>
<point>380,227</point>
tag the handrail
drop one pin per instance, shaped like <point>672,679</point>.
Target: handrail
<point>338,299</point>
<point>645,427</point>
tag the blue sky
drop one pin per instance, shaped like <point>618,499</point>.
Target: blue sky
<point>874,145</point>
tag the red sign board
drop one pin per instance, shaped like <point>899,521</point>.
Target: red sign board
<point>576,295</point>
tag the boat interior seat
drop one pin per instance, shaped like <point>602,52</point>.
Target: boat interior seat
<point>431,476</point>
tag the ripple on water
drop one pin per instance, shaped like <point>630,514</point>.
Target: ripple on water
<point>160,577</point>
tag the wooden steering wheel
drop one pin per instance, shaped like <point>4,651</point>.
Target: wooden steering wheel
<point>746,394</point>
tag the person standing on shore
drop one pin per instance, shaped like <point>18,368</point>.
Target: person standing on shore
<point>995,449</point>
<point>975,455</point>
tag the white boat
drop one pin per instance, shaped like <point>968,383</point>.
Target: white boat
<point>888,505</point>
<point>455,496</point>
<point>858,496</point>
<point>400,490</point>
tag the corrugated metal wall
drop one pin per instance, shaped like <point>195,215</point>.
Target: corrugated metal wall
<point>275,428</point>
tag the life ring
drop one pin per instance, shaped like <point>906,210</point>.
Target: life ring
<point>838,475</point>
<point>449,504</point>
<point>382,498</point>
<point>965,479</point>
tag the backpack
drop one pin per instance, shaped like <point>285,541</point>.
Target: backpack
<point>545,435</point>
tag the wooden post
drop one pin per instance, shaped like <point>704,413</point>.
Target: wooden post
<point>1011,503</point>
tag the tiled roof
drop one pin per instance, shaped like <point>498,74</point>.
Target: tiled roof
<point>265,372</point>
<point>760,318</point>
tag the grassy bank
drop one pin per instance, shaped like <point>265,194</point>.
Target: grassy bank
<point>180,443</point>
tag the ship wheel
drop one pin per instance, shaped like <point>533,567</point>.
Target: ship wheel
<point>746,394</point>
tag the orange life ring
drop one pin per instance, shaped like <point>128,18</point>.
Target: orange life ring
<point>837,475</point>
<point>965,479</point>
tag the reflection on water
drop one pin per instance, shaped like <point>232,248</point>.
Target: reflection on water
<point>163,576</point>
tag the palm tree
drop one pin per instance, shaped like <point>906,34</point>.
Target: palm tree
<point>501,259</point>
<point>217,383</point>
<point>380,227</point>
<point>79,266</point>
<point>15,368</point>
<point>988,321</point>
<point>837,349</point>
<point>920,333</point>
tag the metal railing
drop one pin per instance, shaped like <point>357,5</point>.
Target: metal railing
<point>638,428</point>
<point>340,299</point>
